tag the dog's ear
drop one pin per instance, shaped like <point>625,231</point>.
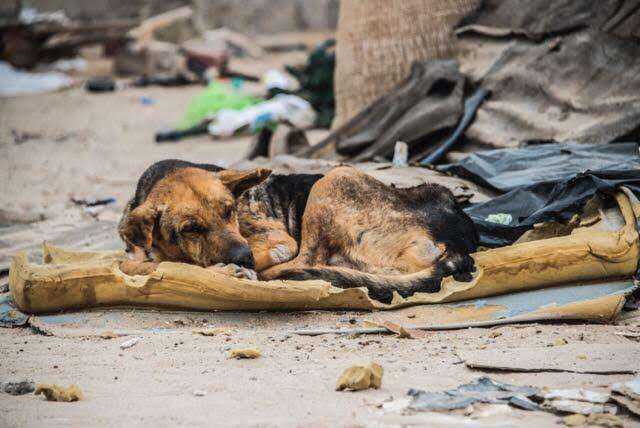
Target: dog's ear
<point>240,181</point>
<point>136,226</point>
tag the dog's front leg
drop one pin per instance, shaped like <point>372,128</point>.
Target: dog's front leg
<point>272,248</point>
<point>234,270</point>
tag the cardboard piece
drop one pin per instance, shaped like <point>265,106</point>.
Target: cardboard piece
<point>75,280</point>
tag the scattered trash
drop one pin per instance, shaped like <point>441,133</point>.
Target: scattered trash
<point>245,353</point>
<point>504,170</point>
<point>93,207</point>
<point>471,106</point>
<point>284,140</point>
<point>100,84</point>
<point>213,99</point>
<point>402,332</point>
<point>500,218</point>
<point>277,80</point>
<point>16,386</point>
<point>37,38</point>
<point>603,359</point>
<point>627,394</point>
<point>431,96</point>
<point>147,101</point>
<point>281,107</point>
<point>10,315</point>
<point>174,135</point>
<point>400,154</point>
<point>483,390</point>
<point>129,343</point>
<point>15,82</point>
<point>316,82</point>
<point>213,331</point>
<point>59,393</point>
<point>30,15</point>
<point>361,376</point>
<point>92,202</point>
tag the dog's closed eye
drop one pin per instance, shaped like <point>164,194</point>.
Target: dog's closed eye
<point>227,211</point>
<point>194,228</point>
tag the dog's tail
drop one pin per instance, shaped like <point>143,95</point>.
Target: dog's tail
<point>381,287</point>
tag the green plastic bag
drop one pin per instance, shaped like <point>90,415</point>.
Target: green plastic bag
<point>216,97</point>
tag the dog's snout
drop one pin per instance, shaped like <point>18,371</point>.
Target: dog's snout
<point>241,255</point>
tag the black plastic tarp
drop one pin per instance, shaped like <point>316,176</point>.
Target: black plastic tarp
<point>538,188</point>
<point>507,169</point>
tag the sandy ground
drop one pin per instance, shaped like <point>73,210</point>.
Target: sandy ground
<point>292,384</point>
<point>72,143</point>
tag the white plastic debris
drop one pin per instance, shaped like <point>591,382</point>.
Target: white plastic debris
<point>276,79</point>
<point>281,107</point>
<point>400,154</point>
<point>129,343</point>
<point>30,15</point>
<point>15,82</point>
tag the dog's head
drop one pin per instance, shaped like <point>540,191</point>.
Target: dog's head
<point>190,216</point>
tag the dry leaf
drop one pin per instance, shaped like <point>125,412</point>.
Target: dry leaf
<point>59,393</point>
<point>249,353</point>
<point>212,331</point>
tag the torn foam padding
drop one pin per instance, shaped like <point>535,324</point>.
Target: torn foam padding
<point>71,280</point>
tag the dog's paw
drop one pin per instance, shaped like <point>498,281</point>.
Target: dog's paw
<point>234,270</point>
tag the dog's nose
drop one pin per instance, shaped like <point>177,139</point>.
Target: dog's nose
<point>242,256</point>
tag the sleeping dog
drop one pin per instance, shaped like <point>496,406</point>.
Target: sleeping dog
<point>344,227</point>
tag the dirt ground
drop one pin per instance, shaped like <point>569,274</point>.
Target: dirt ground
<point>72,143</point>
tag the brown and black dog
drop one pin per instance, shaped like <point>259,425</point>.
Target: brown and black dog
<point>344,227</point>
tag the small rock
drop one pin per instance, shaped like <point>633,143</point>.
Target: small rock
<point>17,386</point>
<point>494,334</point>
<point>129,343</point>
<point>361,376</point>
<point>199,393</point>
<point>560,342</point>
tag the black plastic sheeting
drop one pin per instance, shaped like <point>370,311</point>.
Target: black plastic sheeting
<point>503,170</point>
<point>544,183</point>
